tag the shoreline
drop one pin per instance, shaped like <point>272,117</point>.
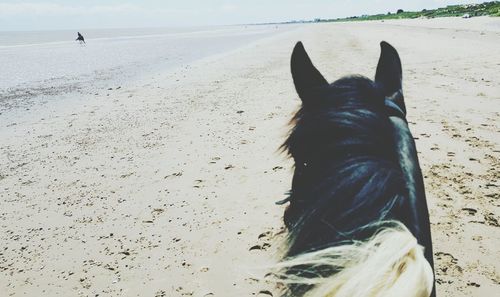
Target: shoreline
<point>51,70</point>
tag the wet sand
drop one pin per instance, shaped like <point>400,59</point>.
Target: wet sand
<point>167,187</point>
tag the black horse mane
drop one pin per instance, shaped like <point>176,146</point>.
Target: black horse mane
<point>346,171</point>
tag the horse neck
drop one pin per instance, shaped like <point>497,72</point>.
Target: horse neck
<point>407,156</point>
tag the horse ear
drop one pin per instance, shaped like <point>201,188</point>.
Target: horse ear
<point>305,76</point>
<point>389,73</point>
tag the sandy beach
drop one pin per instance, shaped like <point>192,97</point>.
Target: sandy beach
<point>166,186</point>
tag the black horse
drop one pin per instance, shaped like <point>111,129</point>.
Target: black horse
<point>357,219</point>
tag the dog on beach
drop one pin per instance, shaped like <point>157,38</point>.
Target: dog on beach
<point>357,216</point>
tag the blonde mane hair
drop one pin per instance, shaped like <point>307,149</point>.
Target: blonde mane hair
<point>389,264</point>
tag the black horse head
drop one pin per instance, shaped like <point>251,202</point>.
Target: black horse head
<point>355,158</point>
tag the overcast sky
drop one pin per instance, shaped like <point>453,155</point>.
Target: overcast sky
<point>80,14</point>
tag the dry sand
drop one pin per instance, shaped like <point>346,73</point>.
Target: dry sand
<point>167,188</point>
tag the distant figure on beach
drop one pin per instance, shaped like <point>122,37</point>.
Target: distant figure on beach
<point>80,38</point>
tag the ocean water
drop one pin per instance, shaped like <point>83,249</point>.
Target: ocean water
<point>50,63</point>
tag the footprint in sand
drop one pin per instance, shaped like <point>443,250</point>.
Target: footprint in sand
<point>448,269</point>
<point>265,239</point>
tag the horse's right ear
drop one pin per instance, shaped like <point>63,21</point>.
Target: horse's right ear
<point>389,72</point>
<point>305,76</point>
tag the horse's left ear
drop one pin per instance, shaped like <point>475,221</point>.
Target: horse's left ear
<point>389,73</point>
<point>305,76</point>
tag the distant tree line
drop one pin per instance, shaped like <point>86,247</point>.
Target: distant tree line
<point>471,10</point>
